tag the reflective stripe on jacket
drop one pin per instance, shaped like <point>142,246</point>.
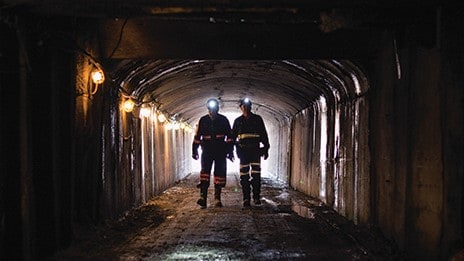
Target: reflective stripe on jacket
<point>213,135</point>
<point>250,131</point>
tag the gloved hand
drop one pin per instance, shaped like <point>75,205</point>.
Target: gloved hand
<point>195,156</point>
<point>264,152</point>
<point>230,156</point>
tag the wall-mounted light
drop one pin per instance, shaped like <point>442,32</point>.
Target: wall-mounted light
<point>98,76</point>
<point>188,129</point>
<point>161,118</point>
<point>128,105</point>
<point>168,125</point>
<point>175,125</point>
<point>145,112</point>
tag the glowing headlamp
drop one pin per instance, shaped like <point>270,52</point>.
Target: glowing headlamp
<point>245,101</point>
<point>212,104</point>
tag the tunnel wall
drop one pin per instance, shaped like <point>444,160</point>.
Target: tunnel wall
<point>166,155</point>
<point>414,140</point>
<point>141,159</point>
<point>279,139</point>
<point>451,89</point>
<point>406,149</point>
<point>333,169</point>
<point>409,182</point>
<point>11,228</point>
<point>306,173</point>
<point>37,139</point>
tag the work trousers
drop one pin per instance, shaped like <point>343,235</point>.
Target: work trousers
<point>208,158</point>
<point>250,172</point>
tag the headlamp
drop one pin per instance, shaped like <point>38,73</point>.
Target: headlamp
<point>212,104</point>
<point>245,101</point>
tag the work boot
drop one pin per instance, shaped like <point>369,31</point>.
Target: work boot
<point>257,201</point>
<point>202,202</point>
<point>217,197</point>
<point>217,203</point>
<point>203,196</point>
<point>246,203</point>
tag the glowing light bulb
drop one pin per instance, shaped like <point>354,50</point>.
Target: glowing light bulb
<point>98,77</point>
<point>161,118</point>
<point>168,125</point>
<point>128,105</point>
<point>145,112</point>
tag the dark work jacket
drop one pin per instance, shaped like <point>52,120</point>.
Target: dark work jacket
<point>214,135</point>
<point>250,132</point>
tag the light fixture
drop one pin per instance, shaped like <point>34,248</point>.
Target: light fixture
<point>97,76</point>
<point>145,112</point>
<point>128,105</point>
<point>168,125</point>
<point>175,125</point>
<point>161,118</point>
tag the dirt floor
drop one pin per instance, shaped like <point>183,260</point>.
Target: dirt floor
<point>287,226</point>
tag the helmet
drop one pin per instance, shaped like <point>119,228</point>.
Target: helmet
<point>245,102</point>
<point>212,104</point>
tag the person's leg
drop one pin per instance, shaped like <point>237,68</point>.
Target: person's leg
<point>256,178</point>
<point>205,173</point>
<point>256,182</point>
<point>220,172</point>
<point>245,180</point>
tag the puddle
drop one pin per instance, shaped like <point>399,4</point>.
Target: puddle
<point>270,202</point>
<point>302,211</point>
<point>283,196</point>
<point>201,253</point>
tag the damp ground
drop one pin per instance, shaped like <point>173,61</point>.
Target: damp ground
<point>287,226</point>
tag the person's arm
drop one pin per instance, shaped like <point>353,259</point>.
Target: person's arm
<point>234,136</point>
<point>264,139</point>
<point>229,141</point>
<point>196,142</point>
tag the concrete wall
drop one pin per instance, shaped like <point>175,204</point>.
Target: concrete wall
<point>277,164</point>
<point>330,159</point>
<point>451,89</point>
<point>414,139</point>
<point>142,158</point>
<point>407,150</point>
<point>395,159</point>
<point>37,141</point>
<point>165,155</point>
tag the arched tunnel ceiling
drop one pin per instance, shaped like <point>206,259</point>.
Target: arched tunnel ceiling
<point>284,59</point>
<point>278,88</point>
<point>281,54</point>
<point>284,55</point>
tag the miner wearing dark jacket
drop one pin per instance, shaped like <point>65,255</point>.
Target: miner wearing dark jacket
<point>214,136</point>
<point>249,133</point>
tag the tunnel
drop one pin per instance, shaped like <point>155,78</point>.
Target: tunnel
<point>363,103</point>
<point>280,91</point>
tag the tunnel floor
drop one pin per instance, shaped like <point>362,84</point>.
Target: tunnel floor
<point>287,226</point>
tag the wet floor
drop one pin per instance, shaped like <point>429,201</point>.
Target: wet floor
<point>287,226</point>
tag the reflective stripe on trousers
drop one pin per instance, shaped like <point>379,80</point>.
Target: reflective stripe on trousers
<point>220,169</point>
